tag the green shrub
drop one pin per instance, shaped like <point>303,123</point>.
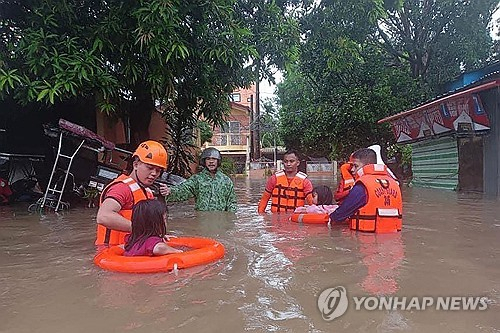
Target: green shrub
<point>228,166</point>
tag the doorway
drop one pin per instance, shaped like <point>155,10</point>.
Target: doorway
<point>470,164</point>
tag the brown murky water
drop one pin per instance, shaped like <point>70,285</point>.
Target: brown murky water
<point>271,275</point>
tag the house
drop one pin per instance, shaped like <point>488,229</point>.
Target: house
<point>455,138</point>
<point>233,139</point>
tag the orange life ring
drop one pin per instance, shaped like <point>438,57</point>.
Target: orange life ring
<point>310,218</point>
<point>204,251</point>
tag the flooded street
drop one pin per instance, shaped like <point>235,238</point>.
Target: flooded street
<point>270,277</point>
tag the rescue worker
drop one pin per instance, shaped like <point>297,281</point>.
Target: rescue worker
<point>120,196</point>
<point>374,204</point>
<point>347,179</point>
<point>211,188</point>
<point>345,184</point>
<point>287,188</point>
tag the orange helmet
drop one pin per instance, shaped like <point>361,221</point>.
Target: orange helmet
<point>152,152</point>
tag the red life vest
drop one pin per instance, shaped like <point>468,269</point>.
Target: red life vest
<point>288,196</point>
<point>384,209</point>
<point>107,236</point>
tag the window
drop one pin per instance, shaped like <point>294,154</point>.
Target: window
<point>235,97</point>
<point>232,128</point>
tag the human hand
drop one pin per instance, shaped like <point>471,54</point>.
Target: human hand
<point>167,237</point>
<point>165,190</point>
<point>170,249</point>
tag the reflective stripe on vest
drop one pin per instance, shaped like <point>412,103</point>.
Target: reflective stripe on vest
<point>383,211</point>
<point>348,184</point>
<point>109,236</point>
<point>346,177</point>
<point>288,196</point>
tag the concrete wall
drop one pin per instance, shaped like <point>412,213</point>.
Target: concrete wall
<point>322,167</point>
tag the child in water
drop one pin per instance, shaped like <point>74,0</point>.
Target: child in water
<point>149,230</point>
<point>322,198</point>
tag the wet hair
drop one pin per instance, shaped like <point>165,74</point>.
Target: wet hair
<point>365,155</point>
<point>147,221</point>
<point>325,195</point>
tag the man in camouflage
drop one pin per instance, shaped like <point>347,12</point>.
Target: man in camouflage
<point>212,189</point>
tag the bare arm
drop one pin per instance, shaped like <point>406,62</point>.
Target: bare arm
<point>263,202</point>
<point>162,248</point>
<point>108,216</point>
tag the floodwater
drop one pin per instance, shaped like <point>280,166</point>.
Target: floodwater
<point>270,277</point>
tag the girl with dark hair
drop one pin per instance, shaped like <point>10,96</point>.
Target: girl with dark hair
<point>322,195</point>
<point>149,230</point>
<point>322,198</point>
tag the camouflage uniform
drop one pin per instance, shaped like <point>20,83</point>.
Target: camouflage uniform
<point>211,193</point>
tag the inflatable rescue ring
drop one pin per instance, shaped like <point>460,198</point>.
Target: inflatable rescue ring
<point>310,218</point>
<point>203,251</point>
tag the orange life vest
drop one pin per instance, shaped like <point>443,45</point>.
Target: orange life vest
<point>287,196</point>
<point>384,209</point>
<point>106,236</point>
<point>345,184</point>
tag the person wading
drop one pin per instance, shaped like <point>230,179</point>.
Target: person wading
<point>288,188</point>
<point>211,188</point>
<point>120,196</point>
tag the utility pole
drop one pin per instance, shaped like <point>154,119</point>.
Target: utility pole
<point>275,151</point>
<point>251,127</point>
<point>256,133</point>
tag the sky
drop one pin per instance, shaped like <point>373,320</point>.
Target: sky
<point>267,89</point>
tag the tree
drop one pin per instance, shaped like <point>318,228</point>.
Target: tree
<point>364,60</point>
<point>125,56</point>
<point>439,39</point>
<point>274,36</point>
<point>269,125</point>
<point>342,85</point>
<point>206,132</point>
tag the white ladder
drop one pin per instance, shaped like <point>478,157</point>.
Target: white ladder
<point>53,192</point>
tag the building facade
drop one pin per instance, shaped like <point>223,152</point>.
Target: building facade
<point>233,139</point>
<point>455,138</point>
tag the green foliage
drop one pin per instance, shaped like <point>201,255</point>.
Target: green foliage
<point>228,166</point>
<point>402,154</point>
<point>269,125</point>
<point>361,61</point>
<point>273,35</point>
<point>438,39</point>
<point>126,56</point>
<point>180,139</point>
<point>336,112</point>
<point>206,132</point>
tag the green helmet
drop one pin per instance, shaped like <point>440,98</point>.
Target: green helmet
<point>210,152</point>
